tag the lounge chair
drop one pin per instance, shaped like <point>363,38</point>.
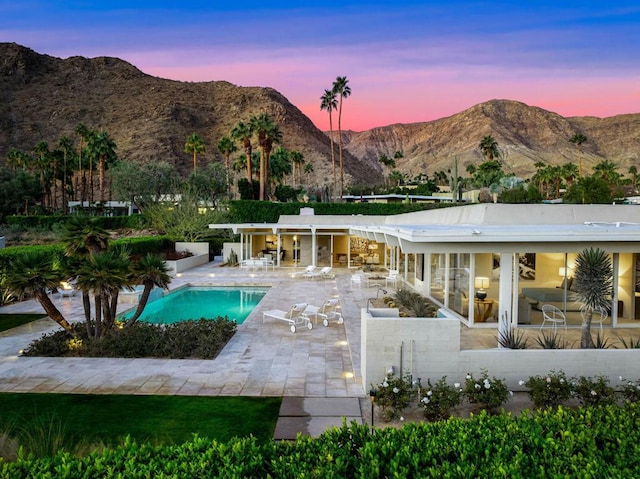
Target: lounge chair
<point>329,312</point>
<point>294,316</point>
<point>309,269</point>
<point>324,273</point>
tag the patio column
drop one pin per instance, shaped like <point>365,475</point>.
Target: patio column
<point>614,300</point>
<point>314,247</point>
<point>505,296</point>
<point>242,255</point>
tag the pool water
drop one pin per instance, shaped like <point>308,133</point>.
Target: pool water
<point>195,302</point>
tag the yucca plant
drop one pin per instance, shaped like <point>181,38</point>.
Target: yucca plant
<point>633,343</point>
<point>592,282</point>
<point>510,337</point>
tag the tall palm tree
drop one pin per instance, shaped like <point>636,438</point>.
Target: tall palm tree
<point>633,171</point>
<point>150,271</point>
<point>578,139</point>
<point>308,168</point>
<point>194,145</point>
<point>243,133</point>
<point>43,166</point>
<point>226,146</point>
<point>267,133</point>
<point>387,163</point>
<point>83,132</point>
<point>65,146</point>
<point>489,148</point>
<point>297,159</point>
<point>593,283</point>
<point>343,90</point>
<point>32,274</point>
<point>329,102</point>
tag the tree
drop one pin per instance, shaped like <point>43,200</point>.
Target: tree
<point>488,174</point>
<point>65,146</point>
<point>226,146</point>
<point>593,283</point>
<point>151,271</point>
<point>242,132</point>
<point>43,165</point>
<point>343,90</point>
<point>280,165</point>
<point>267,133</point>
<point>83,132</point>
<point>194,145</point>
<point>102,148</point>
<point>578,139</point>
<point>608,171</point>
<point>297,159</point>
<point>329,102</point>
<point>489,148</point>
<point>387,163</point>
<point>588,190</point>
<point>633,171</point>
<point>144,183</point>
<point>209,184</point>
<point>33,274</point>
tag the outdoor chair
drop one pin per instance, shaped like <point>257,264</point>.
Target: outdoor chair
<point>598,316</point>
<point>552,314</point>
<point>392,278</point>
<point>357,279</point>
<point>293,316</point>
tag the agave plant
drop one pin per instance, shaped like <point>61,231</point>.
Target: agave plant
<point>551,341</point>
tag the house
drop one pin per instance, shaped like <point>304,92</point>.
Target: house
<point>480,262</point>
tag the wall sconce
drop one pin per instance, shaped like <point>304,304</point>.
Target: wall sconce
<point>481,283</point>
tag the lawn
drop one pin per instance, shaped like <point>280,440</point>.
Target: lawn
<point>159,419</point>
<point>9,321</point>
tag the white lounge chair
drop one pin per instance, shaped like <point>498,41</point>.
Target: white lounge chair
<point>324,273</point>
<point>309,269</point>
<point>329,312</point>
<point>294,316</point>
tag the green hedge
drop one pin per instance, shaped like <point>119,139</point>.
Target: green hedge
<point>585,442</point>
<point>266,212</point>
<point>47,221</point>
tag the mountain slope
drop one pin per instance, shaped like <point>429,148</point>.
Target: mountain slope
<point>44,98</point>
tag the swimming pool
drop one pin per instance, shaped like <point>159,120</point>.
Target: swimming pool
<point>195,302</point>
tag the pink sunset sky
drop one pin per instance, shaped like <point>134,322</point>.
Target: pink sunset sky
<point>406,61</point>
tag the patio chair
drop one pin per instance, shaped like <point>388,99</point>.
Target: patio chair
<point>294,316</point>
<point>324,273</point>
<point>309,269</point>
<point>392,278</point>
<point>598,316</point>
<point>357,279</point>
<point>329,312</point>
<point>552,314</point>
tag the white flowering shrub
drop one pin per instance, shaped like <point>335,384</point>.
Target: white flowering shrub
<point>393,395</point>
<point>490,393</point>
<point>630,390</point>
<point>550,390</point>
<point>594,391</point>
<point>439,399</point>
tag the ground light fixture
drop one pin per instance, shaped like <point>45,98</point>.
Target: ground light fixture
<point>372,394</point>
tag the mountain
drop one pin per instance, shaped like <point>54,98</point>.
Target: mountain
<point>525,135</point>
<point>44,98</point>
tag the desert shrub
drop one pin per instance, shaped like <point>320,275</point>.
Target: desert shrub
<point>421,306</point>
<point>631,390</point>
<point>550,390</point>
<point>439,399</point>
<point>631,343</point>
<point>594,391</point>
<point>551,341</point>
<point>393,395</point>
<point>490,393</point>
<point>202,339</point>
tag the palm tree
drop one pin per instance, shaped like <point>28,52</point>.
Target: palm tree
<point>297,159</point>
<point>578,139</point>
<point>343,90</point>
<point>388,163</point>
<point>83,132</point>
<point>65,145</point>
<point>151,271</point>
<point>489,148</point>
<point>329,102</point>
<point>194,145</point>
<point>633,171</point>
<point>43,165</point>
<point>242,132</point>
<point>32,274</point>
<point>308,168</point>
<point>268,133</point>
<point>226,146</point>
<point>593,283</point>
<point>607,170</point>
<point>102,147</point>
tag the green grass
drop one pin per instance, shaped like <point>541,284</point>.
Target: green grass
<point>9,321</point>
<point>159,419</point>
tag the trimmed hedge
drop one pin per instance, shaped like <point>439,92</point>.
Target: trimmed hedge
<point>47,221</point>
<point>243,211</point>
<point>585,442</point>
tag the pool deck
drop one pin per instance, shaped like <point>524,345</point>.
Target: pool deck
<point>262,359</point>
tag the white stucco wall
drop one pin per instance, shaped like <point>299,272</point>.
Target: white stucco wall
<point>431,350</point>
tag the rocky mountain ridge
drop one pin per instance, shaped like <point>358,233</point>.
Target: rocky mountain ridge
<point>44,98</point>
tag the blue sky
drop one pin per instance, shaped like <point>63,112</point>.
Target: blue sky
<point>406,61</point>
